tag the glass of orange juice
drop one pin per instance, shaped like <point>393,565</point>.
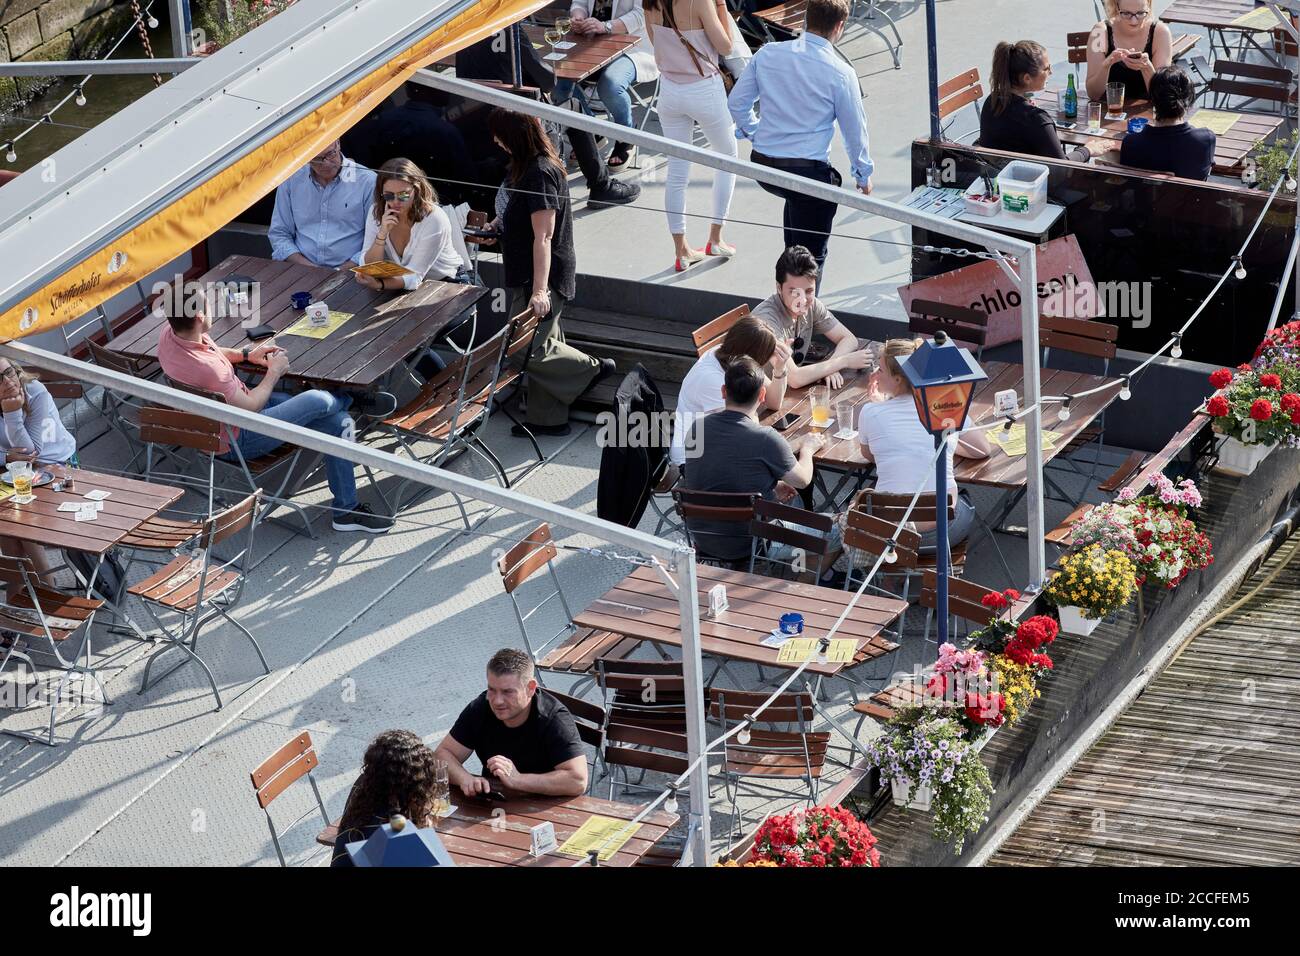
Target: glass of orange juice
<point>820,397</point>
<point>21,471</point>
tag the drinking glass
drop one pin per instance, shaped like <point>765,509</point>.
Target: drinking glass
<point>441,790</point>
<point>1115,100</point>
<point>564,25</point>
<point>21,471</point>
<point>553,35</point>
<point>1094,117</point>
<point>821,406</point>
<point>845,418</point>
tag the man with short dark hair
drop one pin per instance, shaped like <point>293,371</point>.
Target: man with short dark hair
<point>739,455</point>
<point>526,741</point>
<point>188,355</point>
<point>320,211</point>
<point>795,315</point>
<point>805,89</point>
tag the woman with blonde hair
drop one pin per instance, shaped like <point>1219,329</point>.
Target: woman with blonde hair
<point>408,227</point>
<point>33,431</point>
<point>1127,47</point>
<point>893,437</point>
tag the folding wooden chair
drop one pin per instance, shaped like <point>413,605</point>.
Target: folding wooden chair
<point>710,335</point>
<point>866,538</point>
<point>276,774</point>
<point>629,747</point>
<point>969,326</point>
<point>964,605</point>
<point>450,410</point>
<point>31,610</point>
<point>643,693</point>
<point>65,388</point>
<point>166,432</point>
<point>776,527</point>
<point>198,590</point>
<point>1088,338</point>
<point>514,365</point>
<point>736,509</point>
<point>1274,85</point>
<point>962,90</point>
<point>120,410</point>
<point>769,755</point>
<point>572,649</point>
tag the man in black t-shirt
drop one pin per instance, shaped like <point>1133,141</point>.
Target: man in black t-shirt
<point>526,741</point>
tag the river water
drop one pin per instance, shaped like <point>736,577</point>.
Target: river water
<point>105,95</point>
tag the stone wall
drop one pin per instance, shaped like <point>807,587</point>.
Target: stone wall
<point>54,30</point>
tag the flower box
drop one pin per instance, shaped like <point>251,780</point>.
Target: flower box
<point>920,800</point>
<point>1239,459</point>
<point>1073,621</point>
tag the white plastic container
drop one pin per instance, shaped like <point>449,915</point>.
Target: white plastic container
<point>920,800</point>
<point>1241,460</point>
<point>1073,621</point>
<point>1023,187</point>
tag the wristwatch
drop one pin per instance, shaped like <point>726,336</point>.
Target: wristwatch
<point>245,351</point>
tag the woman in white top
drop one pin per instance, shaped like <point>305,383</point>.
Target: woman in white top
<point>32,431</point>
<point>891,435</point>
<point>688,39</point>
<point>701,391</point>
<point>407,226</point>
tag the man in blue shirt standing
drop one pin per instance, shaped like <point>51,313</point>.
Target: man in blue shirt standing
<point>320,211</point>
<point>805,88</point>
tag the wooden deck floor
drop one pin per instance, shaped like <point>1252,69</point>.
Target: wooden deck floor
<point>1202,769</point>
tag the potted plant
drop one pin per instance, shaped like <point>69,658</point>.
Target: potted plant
<point>931,765</point>
<point>961,687</point>
<point>826,836</point>
<point>1092,582</point>
<point>1017,683</point>
<point>1169,546</point>
<point>1256,410</point>
<point>1280,347</point>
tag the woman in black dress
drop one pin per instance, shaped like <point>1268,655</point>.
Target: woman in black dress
<point>1009,120</point>
<point>540,267</point>
<point>1127,47</point>
<point>397,776</point>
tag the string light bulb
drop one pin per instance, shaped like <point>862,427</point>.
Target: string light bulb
<point>742,737</point>
<point>891,555</point>
<point>81,96</point>
<point>1241,268</point>
<point>1177,350</point>
<point>1125,393</point>
<point>1064,414</point>
<point>153,22</point>
<point>11,154</point>
<point>670,804</point>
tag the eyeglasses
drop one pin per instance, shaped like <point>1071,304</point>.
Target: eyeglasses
<point>9,372</point>
<point>334,155</point>
<point>1134,17</point>
<point>397,197</point>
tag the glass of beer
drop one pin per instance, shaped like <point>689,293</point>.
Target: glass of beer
<point>1094,117</point>
<point>441,790</point>
<point>821,406</point>
<point>1115,100</point>
<point>21,472</point>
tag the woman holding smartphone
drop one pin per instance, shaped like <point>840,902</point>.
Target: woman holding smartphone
<point>1127,47</point>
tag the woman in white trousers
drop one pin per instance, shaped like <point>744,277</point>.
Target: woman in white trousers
<point>688,39</point>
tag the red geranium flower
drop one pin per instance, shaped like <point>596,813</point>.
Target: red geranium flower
<point>994,601</point>
<point>1295,417</point>
<point>1261,410</point>
<point>1222,378</point>
<point>1271,381</point>
<point>1243,367</point>
<point>1291,401</point>
<point>1217,406</point>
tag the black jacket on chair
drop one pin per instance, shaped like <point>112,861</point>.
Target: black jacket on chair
<point>630,469</point>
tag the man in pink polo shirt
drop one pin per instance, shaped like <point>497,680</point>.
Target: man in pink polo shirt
<point>188,355</point>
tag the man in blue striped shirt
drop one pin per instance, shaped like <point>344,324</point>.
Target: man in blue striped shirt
<point>805,88</point>
<point>320,211</point>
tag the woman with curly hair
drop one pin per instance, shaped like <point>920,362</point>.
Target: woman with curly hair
<point>396,777</point>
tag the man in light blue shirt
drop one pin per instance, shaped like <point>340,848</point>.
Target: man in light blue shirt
<point>320,211</point>
<point>805,88</point>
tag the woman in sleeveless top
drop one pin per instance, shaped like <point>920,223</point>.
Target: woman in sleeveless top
<point>688,38</point>
<point>1127,47</point>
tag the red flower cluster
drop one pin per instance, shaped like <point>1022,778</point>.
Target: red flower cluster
<point>1271,381</point>
<point>1217,406</point>
<point>1222,378</point>
<point>821,837</point>
<point>999,602</point>
<point>1243,367</point>
<point>1030,636</point>
<point>1261,410</point>
<point>1291,401</point>
<point>986,709</point>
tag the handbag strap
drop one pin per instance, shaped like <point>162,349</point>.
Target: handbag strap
<point>690,48</point>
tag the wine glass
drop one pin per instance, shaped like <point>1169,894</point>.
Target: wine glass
<point>553,35</point>
<point>564,25</point>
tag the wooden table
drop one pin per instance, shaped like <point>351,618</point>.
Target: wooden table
<point>384,328</point>
<point>787,16</point>
<point>478,835</point>
<point>130,504</point>
<point>589,55</point>
<point>1230,150</point>
<point>641,606</point>
<point>1219,18</point>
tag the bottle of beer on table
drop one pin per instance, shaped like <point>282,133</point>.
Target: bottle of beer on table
<point>1070,106</point>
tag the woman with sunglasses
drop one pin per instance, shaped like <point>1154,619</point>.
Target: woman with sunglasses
<point>1127,47</point>
<point>408,227</point>
<point>33,431</point>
